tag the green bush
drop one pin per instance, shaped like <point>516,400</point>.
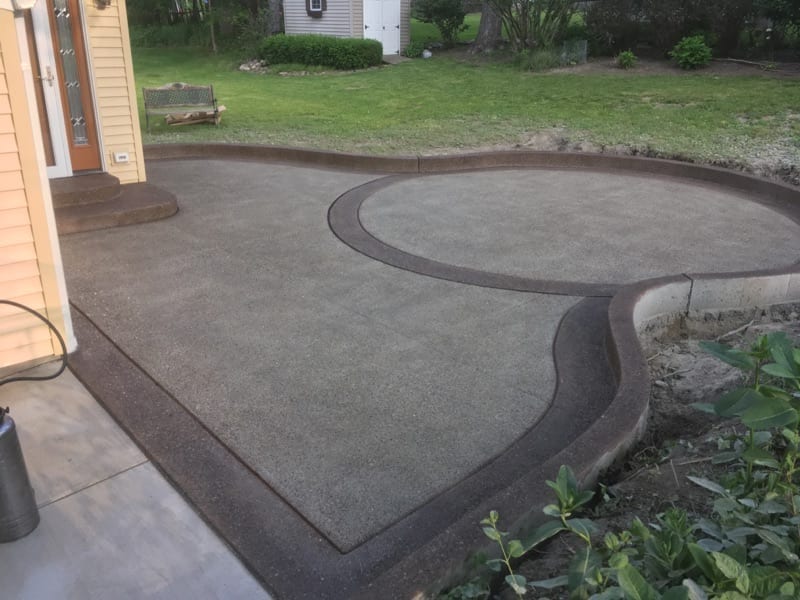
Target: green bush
<point>447,15</point>
<point>537,60</point>
<point>626,60</point>
<point>414,49</point>
<point>326,51</point>
<point>691,52</point>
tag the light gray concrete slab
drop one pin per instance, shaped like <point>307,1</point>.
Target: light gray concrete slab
<point>357,390</point>
<point>579,225</point>
<point>129,537</point>
<point>69,442</point>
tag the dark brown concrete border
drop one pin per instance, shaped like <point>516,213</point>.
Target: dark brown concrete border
<point>345,223</point>
<point>293,560</point>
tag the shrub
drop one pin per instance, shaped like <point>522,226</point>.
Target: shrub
<point>626,60</point>
<point>447,15</point>
<point>339,53</point>
<point>414,49</point>
<point>538,60</point>
<point>691,52</point>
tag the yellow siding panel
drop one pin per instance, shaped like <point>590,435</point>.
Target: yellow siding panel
<point>17,339</point>
<point>103,42</point>
<point>111,52</point>
<point>8,141</point>
<point>5,107</point>
<point>11,181</point>
<point>3,84</point>
<point>118,140</point>
<point>6,124</point>
<point>22,287</point>
<point>117,121</point>
<point>115,62</point>
<point>118,83</point>
<point>9,161</point>
<point>10,236</point>
<point>20,271</point>
<point>118,130</point>
<point>25,354</point>
<point>105,32</point>
<point>12,199</point>
<point>17,253</point>
<point>18,322</point>
<point>34,301</point>
<point>14,217</point>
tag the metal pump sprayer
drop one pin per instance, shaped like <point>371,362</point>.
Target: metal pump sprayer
<point>19,514</point>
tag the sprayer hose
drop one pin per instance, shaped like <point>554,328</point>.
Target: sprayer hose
<point>60,341</point>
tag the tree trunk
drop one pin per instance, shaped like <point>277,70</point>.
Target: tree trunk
<point>489,31</point>
<point>275,8</point>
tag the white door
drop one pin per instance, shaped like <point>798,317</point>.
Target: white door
<point>382,23</point>
<point>43,66</point>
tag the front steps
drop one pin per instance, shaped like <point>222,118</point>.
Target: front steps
<point>98,201</point>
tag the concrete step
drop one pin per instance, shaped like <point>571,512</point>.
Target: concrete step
<point>84,189</point>
<point>136,203</point>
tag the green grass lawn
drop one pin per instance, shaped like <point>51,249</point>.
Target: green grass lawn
<point>449,104</point>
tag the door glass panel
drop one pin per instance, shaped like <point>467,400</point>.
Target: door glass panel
<point>71,81</point>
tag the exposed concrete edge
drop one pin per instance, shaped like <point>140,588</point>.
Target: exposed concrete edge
<point>773,193</point>
<point>622,422</point>
<point>281,154</point>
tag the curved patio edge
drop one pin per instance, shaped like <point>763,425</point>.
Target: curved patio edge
<point>619,424</point>
<point>776,194</point>
<point>622,422</point>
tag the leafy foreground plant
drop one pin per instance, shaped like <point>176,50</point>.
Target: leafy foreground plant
<point>746,549</point>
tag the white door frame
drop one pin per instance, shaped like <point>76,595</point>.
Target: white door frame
<point>52,95</point>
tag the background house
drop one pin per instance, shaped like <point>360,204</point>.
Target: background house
<point>387,21</point>
<point>68,120</point>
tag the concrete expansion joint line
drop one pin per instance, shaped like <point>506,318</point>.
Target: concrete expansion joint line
<point>95,483</point>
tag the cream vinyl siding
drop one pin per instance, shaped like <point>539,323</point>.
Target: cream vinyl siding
<point>22,336</point>
<point>335,21</point>
<point>405,24</point>
<point>114,88</point>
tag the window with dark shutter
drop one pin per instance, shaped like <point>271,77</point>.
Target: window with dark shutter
<point>315,8</point>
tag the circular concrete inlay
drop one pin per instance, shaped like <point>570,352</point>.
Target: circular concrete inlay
<point>571,225</point>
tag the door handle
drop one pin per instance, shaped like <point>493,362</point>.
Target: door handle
<point>49,77</point>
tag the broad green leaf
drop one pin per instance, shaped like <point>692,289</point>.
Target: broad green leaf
<point>496,564</point>
<point>764,581</point>
<point>542,533</point>
<point>703,561</point>
<point>783,544</point>
<point>727,565</point>
<point>782,352</point>
<point>679,592</point>
<point>583,527</point>
<point>634,585</point>
<point>735,358</point>
<point>492,533</point>
<point>769,413</point>
<point>618,560</point>
<point>551,510</point>
<point>515,549</point>
<point>705,407</point>
<point>743,582</point>
<point>735,402</point>
<point>612,593</point>
<point>585,561</point>
<point>711,486</point>
<point>733,596</point>
<point>582,498</point>
<point>788,589</point>
<point>517,583</point>
<point>759,456</point>
<point>694,590</point>
<point>549,584</point>
<point>724,457</point>
<point>777,370</point>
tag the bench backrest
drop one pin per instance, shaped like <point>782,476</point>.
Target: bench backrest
<point>185,95</point>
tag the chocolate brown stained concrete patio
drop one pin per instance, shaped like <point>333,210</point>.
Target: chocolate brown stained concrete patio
<point>362,394</point>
